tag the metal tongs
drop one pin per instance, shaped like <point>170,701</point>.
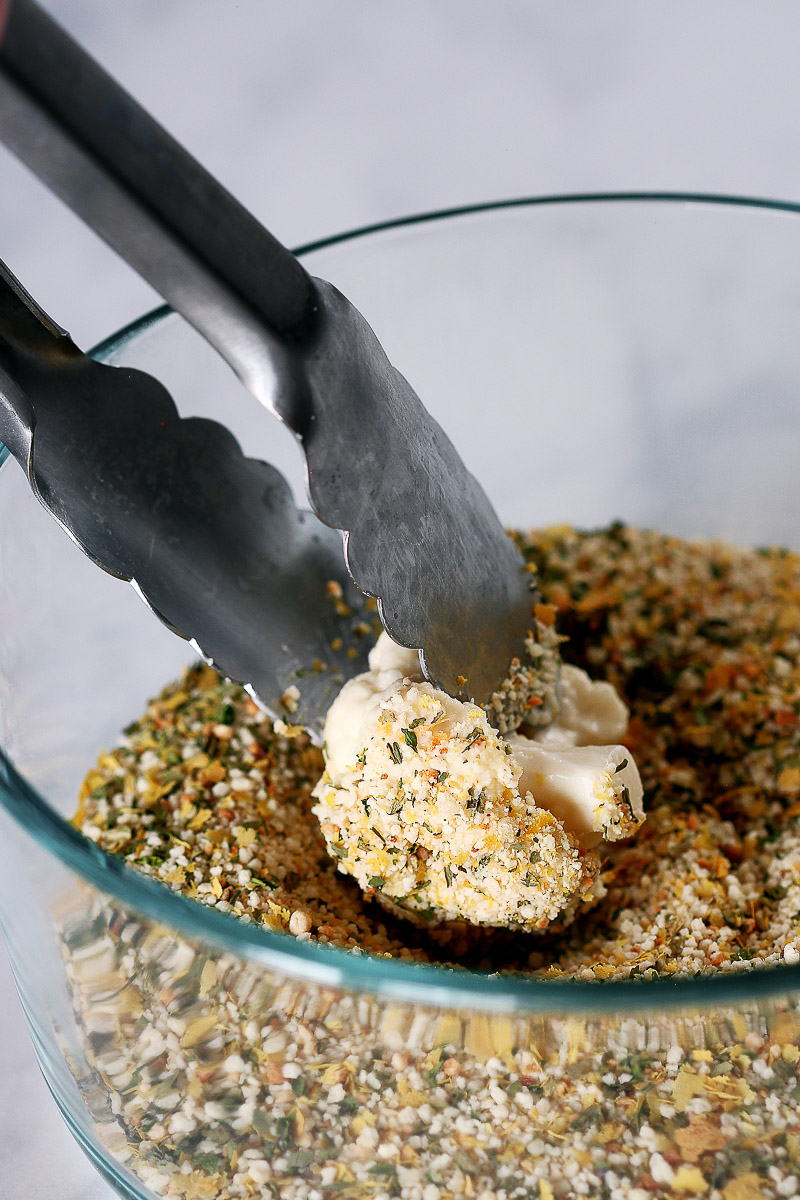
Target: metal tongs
<point>212,539</point>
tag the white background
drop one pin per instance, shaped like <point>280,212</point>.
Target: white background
<point>321,115</point>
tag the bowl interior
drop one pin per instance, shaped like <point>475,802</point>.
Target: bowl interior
<point>593,360</point>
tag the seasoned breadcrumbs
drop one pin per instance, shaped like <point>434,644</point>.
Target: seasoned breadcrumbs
<point>700,639</point>
<point>211,1077</point>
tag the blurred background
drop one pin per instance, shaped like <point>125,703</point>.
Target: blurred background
<point>321,116</point>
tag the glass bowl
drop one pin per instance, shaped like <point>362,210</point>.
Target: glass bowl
<point>593,358</point>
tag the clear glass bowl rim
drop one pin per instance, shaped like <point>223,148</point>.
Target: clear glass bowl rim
<point>419,983</point>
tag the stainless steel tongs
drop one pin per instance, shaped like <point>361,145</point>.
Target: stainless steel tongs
<point>419,533</point>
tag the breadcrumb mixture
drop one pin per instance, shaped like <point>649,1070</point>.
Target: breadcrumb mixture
<point>208,1076</point>
<point>700,639</point>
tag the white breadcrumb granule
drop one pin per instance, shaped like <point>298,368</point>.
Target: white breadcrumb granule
<point>421,800</point>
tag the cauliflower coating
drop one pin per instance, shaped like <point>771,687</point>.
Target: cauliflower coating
<point>530,694</point>
<point>431,810</point>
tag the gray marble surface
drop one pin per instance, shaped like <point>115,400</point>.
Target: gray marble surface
<point>322,116</point>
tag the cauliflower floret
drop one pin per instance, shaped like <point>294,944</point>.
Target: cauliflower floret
<point>430,817</point>
<point>592,787</point>
<point>595,791</point>
<point>428,807</point>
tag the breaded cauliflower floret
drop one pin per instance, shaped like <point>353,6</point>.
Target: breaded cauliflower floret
<point>428,807</point>
<point>429,816</point>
